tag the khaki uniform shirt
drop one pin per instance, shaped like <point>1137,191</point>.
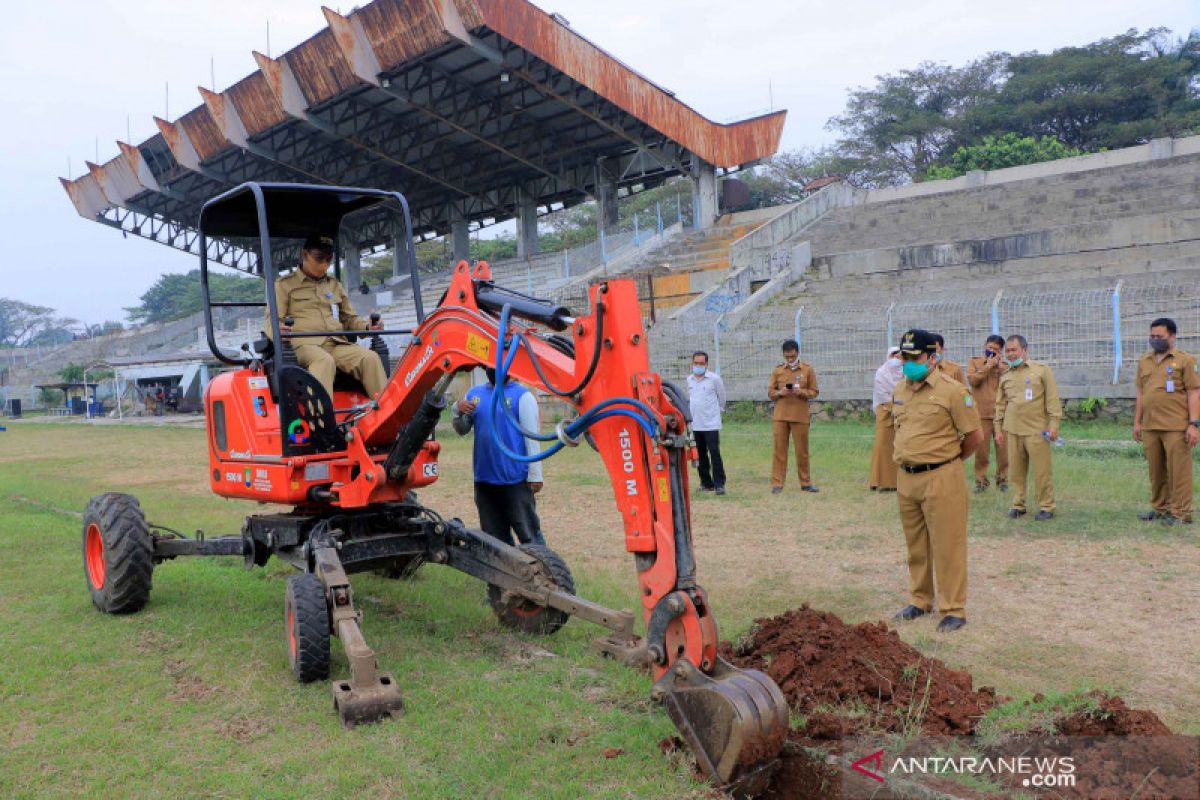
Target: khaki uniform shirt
<point>792,407</point>
<point>985,381</point>
<point>952,370</point>
<point>1027,402</point>
<point>931,417</point>
<point>315,306</point>
<point>1164,410</point>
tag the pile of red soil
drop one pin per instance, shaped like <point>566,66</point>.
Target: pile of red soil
<point>1112,718</point>
<point>875,680</point>
<point>850,680</point>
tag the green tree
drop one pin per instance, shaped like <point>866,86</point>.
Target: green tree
<point>21,323</point>
<point>781,178</point>
<point>1009,150</point>
<point>896,130</point>
<point>1112,93</point>
<point>176,295</point>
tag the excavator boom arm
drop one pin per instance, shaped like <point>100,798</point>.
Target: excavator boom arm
<point>734,720</point>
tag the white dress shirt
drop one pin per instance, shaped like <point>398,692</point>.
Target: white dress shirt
<point>706,396</point>
<point>886,378</point>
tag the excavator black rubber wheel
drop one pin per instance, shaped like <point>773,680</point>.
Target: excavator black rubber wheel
<point>306,617</point>
<point>117,553</point>
<point>524,615</point>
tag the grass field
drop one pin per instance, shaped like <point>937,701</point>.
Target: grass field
<point>193,695</point>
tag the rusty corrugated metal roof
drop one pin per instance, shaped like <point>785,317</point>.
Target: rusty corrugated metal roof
<point>722,145</point>
<point>388,37</point>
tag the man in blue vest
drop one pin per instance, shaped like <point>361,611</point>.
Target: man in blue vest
<point>504,487</point>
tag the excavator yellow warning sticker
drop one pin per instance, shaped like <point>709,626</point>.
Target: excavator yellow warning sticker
<point>664,491</point>
<point>479,346</point>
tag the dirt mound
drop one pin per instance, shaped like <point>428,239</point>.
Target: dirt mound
<point>851,679</point>
<point>1112,718</point>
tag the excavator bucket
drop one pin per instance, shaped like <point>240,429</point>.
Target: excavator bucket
<point>734,720</point>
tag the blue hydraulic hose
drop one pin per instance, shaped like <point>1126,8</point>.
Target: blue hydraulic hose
<point>504,357</point>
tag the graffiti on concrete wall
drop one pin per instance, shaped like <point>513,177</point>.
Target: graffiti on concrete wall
<point>776,260</point>
<point>720,302</point>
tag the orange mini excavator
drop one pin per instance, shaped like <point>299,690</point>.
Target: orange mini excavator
<point>347,465</point>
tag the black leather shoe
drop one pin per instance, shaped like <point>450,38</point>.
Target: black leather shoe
<point>950,624</point>
<point>1002,485</point>
<point>909,613</point>
<point>720,490</point>
<point>1042,516</point>
<point>809,488</point>
<point>1170,519</point>
<point>1013,513</point>
<point>776,489</point>
<point>1150,516</point>
<point>980,488</point>
<point>706,488</point>
<point>887,490</point>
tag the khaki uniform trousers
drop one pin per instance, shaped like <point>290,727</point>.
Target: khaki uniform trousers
<point>883,468</point>
<point>798,431</point>
<point>1023,451</point>
<point>325,359</point>
<point>933,512</point>
<point>984,451</point>
<point>1170,462</point>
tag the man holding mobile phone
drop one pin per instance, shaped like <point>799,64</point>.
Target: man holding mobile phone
<point>793,384</point>
<point>984,373</point>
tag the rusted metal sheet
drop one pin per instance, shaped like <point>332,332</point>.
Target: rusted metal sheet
<point>179,144</point>
<point>469,13</point>
<point>225,116</point>
<point>256,104</point>
<point>120,179</point>
<point>400,30</point>
<point>352,40</point>
<point>282,83</point>
<point>86,195</point>
<point>137,164</point>
<point>203,131</point>
<point>722,145</point>
<point>320,69</point>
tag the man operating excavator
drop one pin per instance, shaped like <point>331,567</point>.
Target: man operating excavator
<point>315,302</point>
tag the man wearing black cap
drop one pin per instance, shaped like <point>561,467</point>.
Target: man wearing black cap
<point>937,427</point>
<point>316,302</point>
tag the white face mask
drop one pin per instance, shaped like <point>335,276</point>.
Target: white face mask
<point>893,361</point>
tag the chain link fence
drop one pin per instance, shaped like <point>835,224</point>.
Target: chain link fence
<point>1092,338</point>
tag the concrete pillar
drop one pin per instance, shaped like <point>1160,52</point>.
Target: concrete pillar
<point>351,264</point>
<point>704,193</point>
<point>606,195</point>
<point>460,237</point>
<point>401,245</point>
<point>527,230</point>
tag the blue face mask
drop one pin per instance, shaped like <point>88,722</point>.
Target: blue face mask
<point>1016,362</point>
<point>699,370</point>
<point>914,371</point>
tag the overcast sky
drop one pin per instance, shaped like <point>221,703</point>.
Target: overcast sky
<point>76,70</point>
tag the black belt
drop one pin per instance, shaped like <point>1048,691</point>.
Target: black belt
<point>916,469</point>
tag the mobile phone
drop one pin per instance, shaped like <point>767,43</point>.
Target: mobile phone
<point>790,386</point>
